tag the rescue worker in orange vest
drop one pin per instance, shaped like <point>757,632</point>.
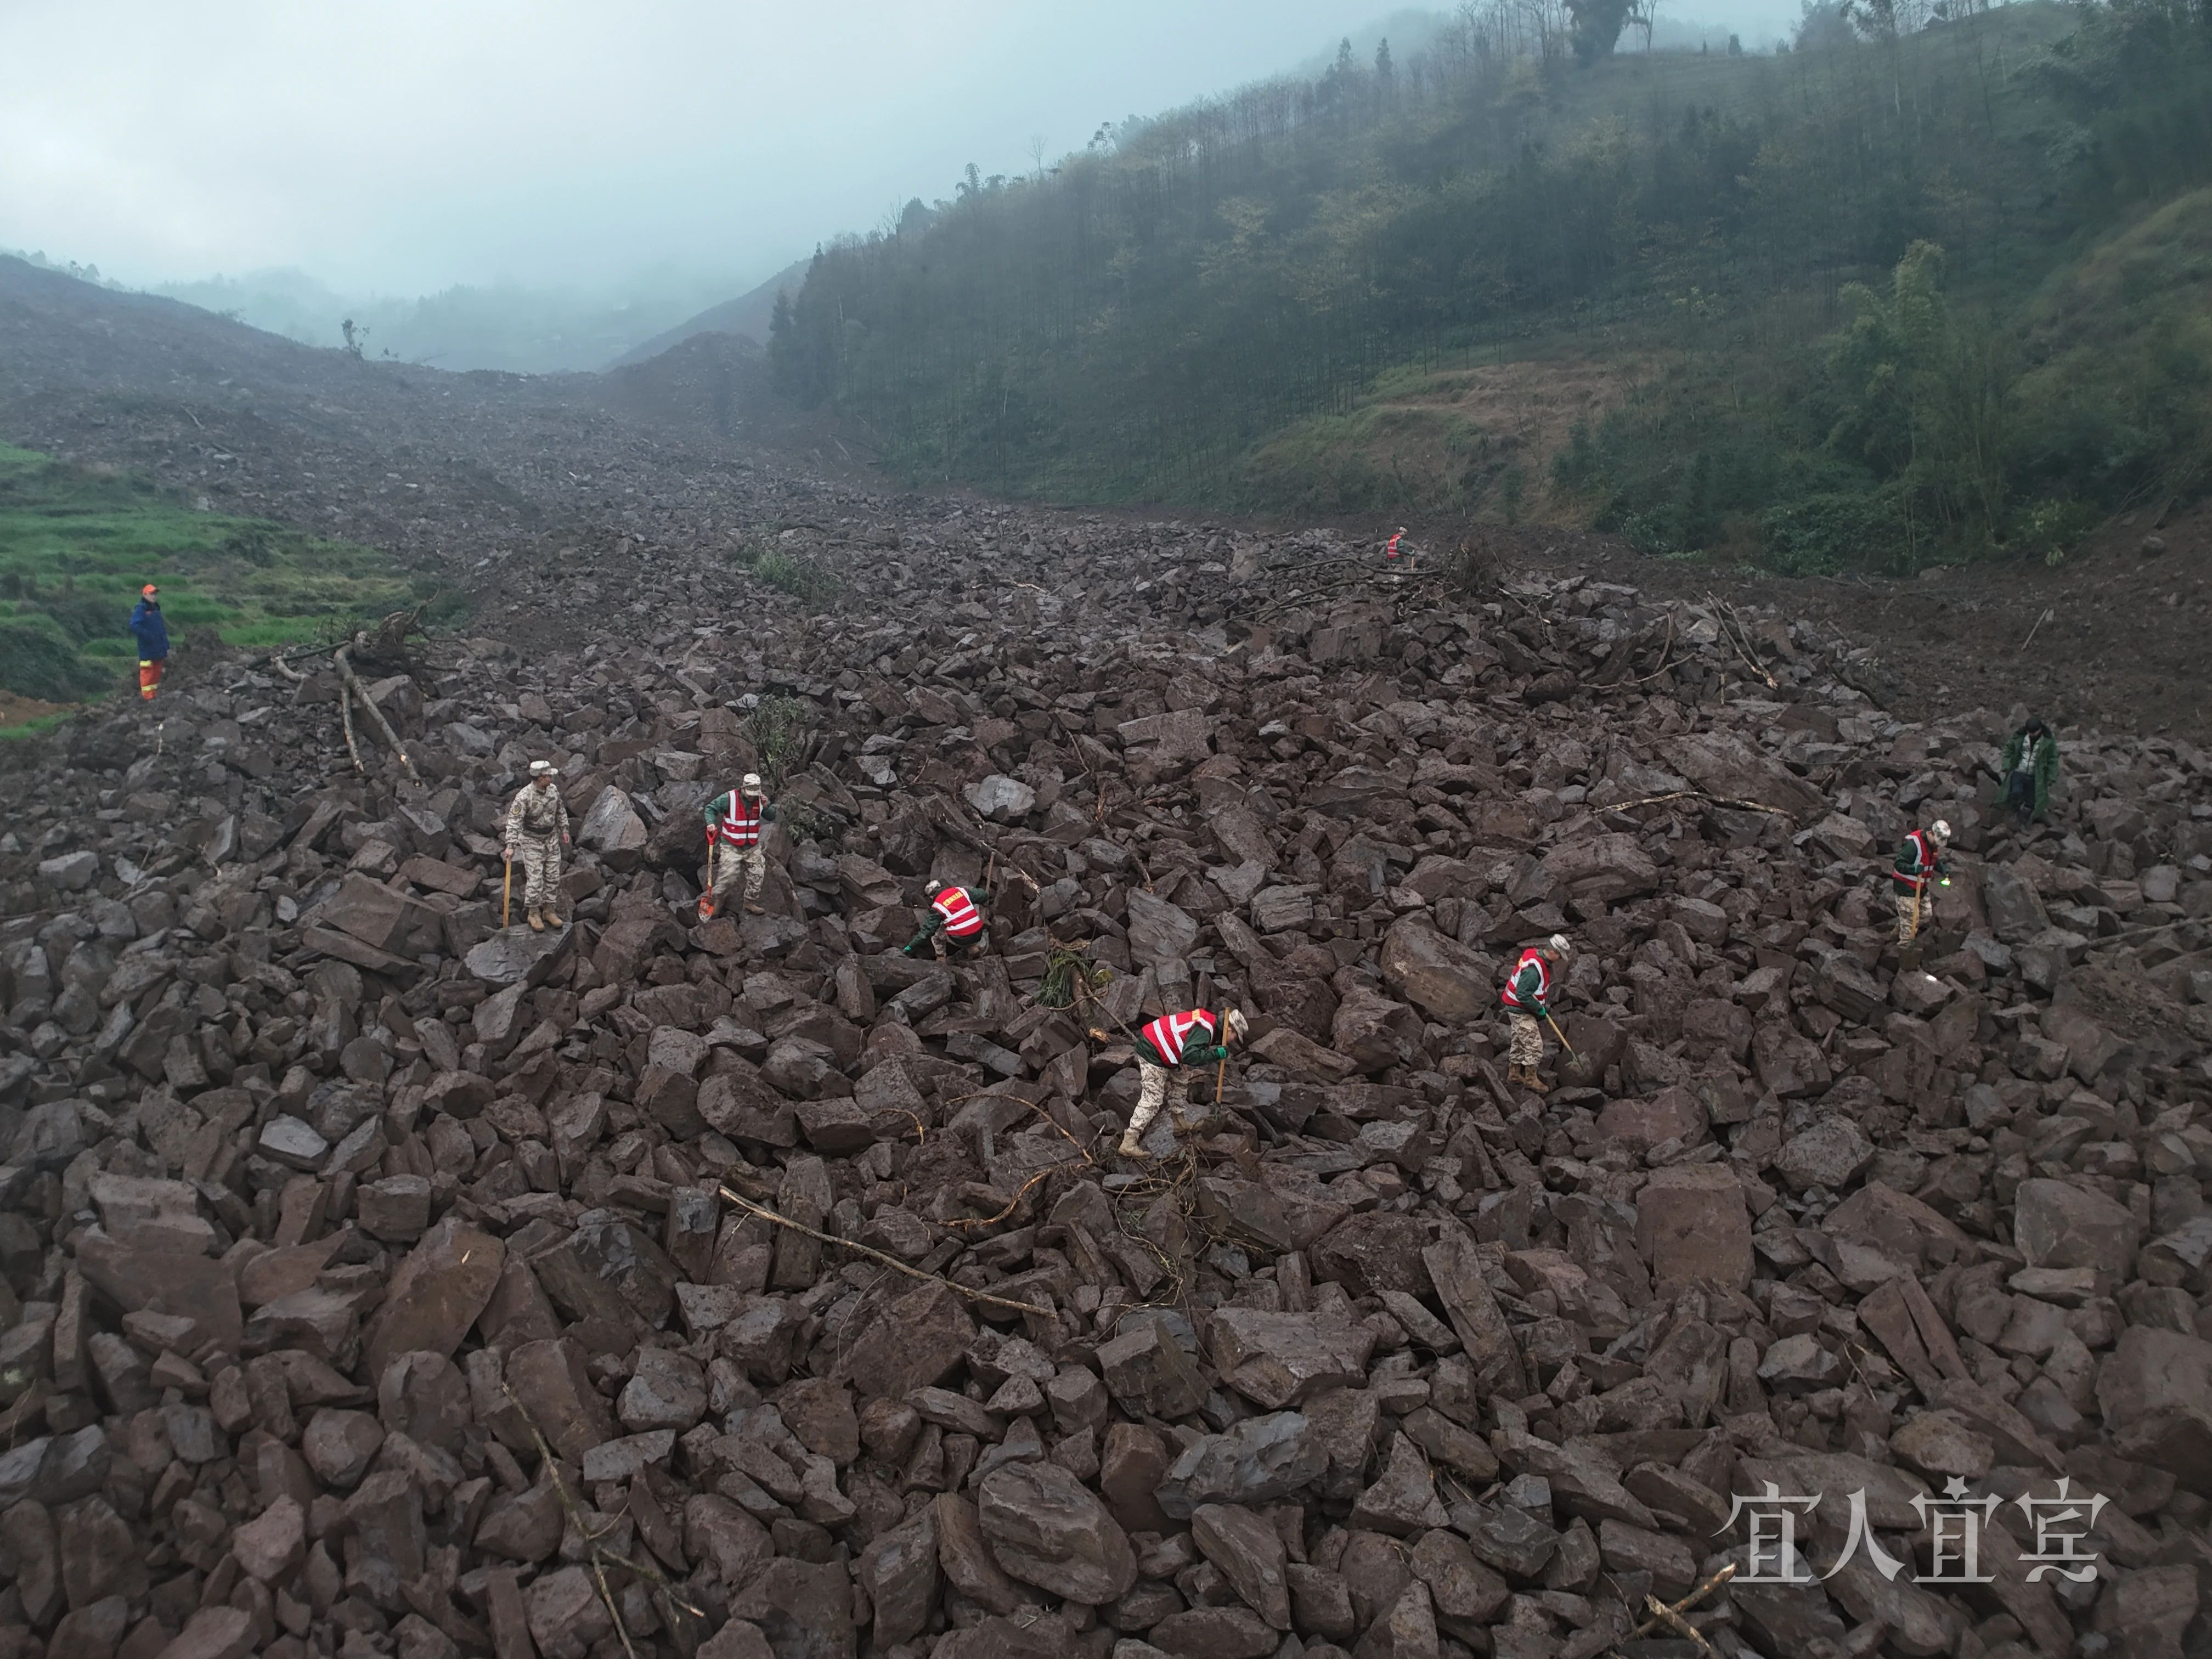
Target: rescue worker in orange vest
<point>954,915</point>
<point>735,822</point>
<point>1527,998</point>
<point>1194,1037</point>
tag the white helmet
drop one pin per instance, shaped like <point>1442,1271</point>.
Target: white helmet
<point>1559,946</point>
<point>1939,829</point>
<point>750,783</point>
<point>932,889</point>
<point>1236,1023</point>
<point>539,769</point>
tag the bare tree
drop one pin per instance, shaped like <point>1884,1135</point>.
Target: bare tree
<point>1035,150</point>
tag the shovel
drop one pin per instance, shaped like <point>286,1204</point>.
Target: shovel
<point>506,893</point>
<point>1562,1037</point>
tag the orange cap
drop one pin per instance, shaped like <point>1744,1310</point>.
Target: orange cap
<point>149,590</point>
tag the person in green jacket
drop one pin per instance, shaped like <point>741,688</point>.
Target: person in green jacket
<point>2029,767</point>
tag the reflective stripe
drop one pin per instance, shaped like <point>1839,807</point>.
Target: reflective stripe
<point>741,821</point>
<point>1922,860</point>
<point>1169,1033</point>
<point>1510,996</point>
<point>961,918</point>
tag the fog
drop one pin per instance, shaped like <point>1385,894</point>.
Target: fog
<point>640,162</point>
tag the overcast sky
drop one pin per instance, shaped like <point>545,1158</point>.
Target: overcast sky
<point>406,145</point>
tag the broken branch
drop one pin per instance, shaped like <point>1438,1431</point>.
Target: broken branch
<point>890,1262</point>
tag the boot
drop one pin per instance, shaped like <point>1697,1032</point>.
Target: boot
<point>552,921</point>
<point>1514,1074</point>
<point>1530,1081</point>
<point>756,910</point>
<point>1131,1148</point>
<point>536,920</point>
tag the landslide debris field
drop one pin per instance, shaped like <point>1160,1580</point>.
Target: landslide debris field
<point>379,1282</point>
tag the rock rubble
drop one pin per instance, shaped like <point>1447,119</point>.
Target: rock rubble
<point>371,1284</point>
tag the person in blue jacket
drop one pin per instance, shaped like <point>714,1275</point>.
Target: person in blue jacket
<point>153,636</point>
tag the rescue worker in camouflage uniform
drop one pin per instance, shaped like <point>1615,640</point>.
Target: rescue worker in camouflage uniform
<point>2029,767</point>
<point>1919,859</point>
<point>1527,998</point>
<point>735,820</point>
<point>1194,1037</point>
<point>955,915</point>
<point>537,830</point>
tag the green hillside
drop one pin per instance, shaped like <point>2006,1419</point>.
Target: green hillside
<point>77,544</point>
<point>1811,307</point>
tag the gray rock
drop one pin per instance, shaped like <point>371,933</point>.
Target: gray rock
<point>70,872</point>
<point>2057,1224</point>
<point>1829,1155</point>
<point>1261,1459</point>
<point>516,956</point>
<point>1045,1528</point>
<point>612,827</point>
<point>1001,797</point>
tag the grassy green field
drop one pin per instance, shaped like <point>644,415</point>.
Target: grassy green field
<point>77,542</point>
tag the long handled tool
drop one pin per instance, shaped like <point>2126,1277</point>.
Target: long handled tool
<point>1562,1037</point>
<point>1919,887</point>
<point>713,848</point>
<point>506,893</point>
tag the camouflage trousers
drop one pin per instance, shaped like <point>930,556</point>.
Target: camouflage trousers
<point>540,859</point>
<point>1528,1048</point>
<point>1151,1095</point>
<point>730,862</point>
<point>1911,908</point>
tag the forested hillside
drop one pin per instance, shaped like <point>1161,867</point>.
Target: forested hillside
<point>1930,283</point>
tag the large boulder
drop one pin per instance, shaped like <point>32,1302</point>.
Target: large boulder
<point>2057,1224</point>
<point>1441,977</point>
<point>1598,872</point>
<point>2156,1394</point>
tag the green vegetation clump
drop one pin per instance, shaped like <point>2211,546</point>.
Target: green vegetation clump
<point>779,727</point>
<point>77,542</point>
<point>803,578</point>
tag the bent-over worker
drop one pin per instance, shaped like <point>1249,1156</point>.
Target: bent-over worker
<point>537,830</point>
<point>1196,1037</point>
<point>954,915</point>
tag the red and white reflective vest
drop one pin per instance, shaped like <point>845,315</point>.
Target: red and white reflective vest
<point>1510,996</point>
<point>1923,861</point>
<point>1169,1034</point>
<point>961,918</point>
<point>741,821</point>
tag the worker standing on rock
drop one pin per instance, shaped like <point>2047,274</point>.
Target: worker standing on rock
<point>735,822</point>
<point>955,915</point>
<point>1167,1044</point>
<point>2029,767</point>
<point>1919,859</point>
<point>537,830</point>
<point>152,632</point>
<point>1527,998</point>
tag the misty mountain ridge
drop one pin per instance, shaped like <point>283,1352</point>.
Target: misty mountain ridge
<point>515,326</point>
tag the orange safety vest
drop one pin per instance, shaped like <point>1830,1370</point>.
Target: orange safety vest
<point>961,918</point>
<point>741,821</point>
<point>1510,997</point>
<point>1169,1034</point>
